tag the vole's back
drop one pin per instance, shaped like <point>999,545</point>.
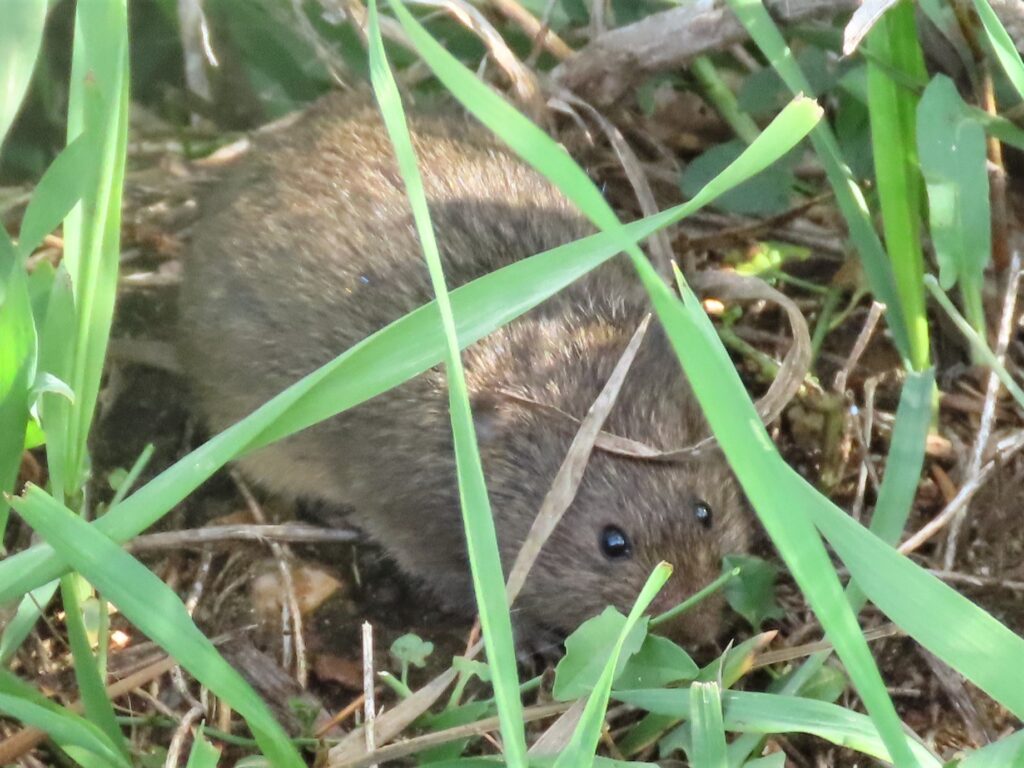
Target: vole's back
<point>310,247</point>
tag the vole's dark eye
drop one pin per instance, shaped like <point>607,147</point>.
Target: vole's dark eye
<point>702,511</point>
<point>614,543</point>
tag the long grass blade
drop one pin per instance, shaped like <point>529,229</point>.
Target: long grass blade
<point>481,536</point>
<point>97,110</point>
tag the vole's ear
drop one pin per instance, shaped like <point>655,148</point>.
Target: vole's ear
<point>487,417</point>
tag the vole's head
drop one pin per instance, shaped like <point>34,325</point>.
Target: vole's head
<point>629,514</point>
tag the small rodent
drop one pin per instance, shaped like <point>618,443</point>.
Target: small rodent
<point>309,246</point>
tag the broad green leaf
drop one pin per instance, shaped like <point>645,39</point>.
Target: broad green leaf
<point>752,593</point>
<point>954,162</point>
<point>156,610</point>
<point>1008,752</point>
<point>587,651</point>
<point>766,194</point>
<point>658,662</point>
<point>411,649</point>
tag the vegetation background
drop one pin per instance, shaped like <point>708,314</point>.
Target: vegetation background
<point>896,186</point>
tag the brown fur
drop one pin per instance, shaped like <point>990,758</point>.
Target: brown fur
<point>310,247</point>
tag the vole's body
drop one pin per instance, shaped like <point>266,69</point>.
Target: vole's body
<point>310,247</point>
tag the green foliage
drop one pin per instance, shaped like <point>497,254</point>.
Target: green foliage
<point>587,650</point>
<point>951,145</point>
<point>409,650</point>
<point>766,194</point>
<point>54,325</point>
<point>752,593</point>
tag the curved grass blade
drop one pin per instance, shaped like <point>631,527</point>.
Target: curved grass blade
<point>979,347</point>
<point>477,519</point>
<point>155,609</point>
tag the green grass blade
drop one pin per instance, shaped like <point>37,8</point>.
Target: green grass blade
<point>17,367</point>
<point>90,683</point>
<point>156,610</point>
<point>766,713</point>
<point>389,357</point>
<point>759,25</point>
<point>97,109</point>
<point>55,358</point>
<point>943,621</point>
<point>29,610</point>
<point>203,754</point>
<point>892,109</point>
<point>21,37</point>
<point>954,162</point>
<point>765,478</point>
<point>477,519</point>
<point>579,752</point>
<point>69,176</point>
<point>1008,751</point>
<point>91,688</point>
<point>1002,44</point>
<point>979,348</point>
<point>706,726</point>
<point>19,700</point>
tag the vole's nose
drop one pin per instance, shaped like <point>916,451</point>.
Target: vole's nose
<point>696,626</point>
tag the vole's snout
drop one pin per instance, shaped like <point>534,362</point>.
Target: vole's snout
<point>697,626</point>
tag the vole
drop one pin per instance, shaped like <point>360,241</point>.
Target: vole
<point>309,247</point>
